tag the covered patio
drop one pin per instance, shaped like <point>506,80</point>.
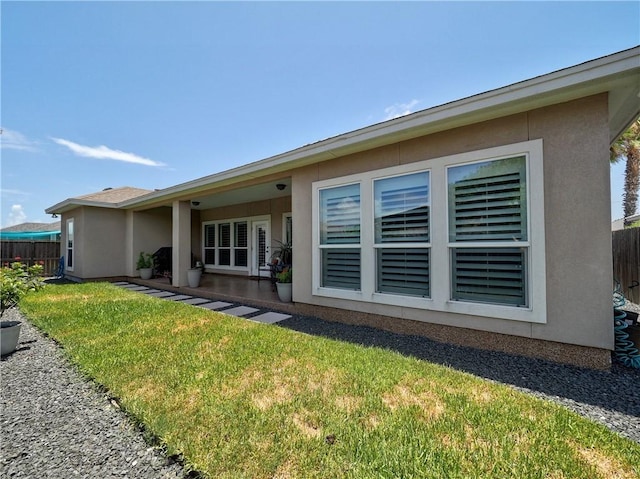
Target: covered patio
<point>231,288</point>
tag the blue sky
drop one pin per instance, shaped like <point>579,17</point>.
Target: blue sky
<point>152,94</point>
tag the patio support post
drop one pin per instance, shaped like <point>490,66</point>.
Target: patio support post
<point>181,260</point>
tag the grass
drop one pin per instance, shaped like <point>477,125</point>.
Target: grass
<point>245,400</point>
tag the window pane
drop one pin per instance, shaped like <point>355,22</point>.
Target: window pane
<point>340,215</point>
<point>209,236</point>
<point>402,209</point>
<point>403,271</point>
<point>224,231</point>
<point>225,257</point>
<point>487,201</point>
<point>70,258</point>
<point>209,256</point>
<point>240,239</point>
<point>341,268</point>
<point>240,257</point>
<point>489,275</point>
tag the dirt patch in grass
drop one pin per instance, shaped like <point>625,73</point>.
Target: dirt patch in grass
<point>404,395</point>
<point>606,467</point>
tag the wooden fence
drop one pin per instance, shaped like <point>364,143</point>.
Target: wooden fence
<point>626,262</point>
<point>32,252</point>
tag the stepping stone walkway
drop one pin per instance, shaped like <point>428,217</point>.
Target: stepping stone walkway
<point>239,310</point>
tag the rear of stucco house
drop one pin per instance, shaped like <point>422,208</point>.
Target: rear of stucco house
<point>483,222</point>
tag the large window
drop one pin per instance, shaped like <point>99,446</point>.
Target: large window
<point>401,227</point>
<point>488,231</point>
<point>455,234</point>
<point>226,244</point>
<point>340,236</point>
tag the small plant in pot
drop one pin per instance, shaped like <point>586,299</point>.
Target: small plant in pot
<point>283,283</point>
<point>145,265</point>
<point>16,280</point>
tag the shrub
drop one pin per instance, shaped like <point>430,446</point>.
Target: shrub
<point>16,280</point>
<point>145,260</point>
<point>285,276</point>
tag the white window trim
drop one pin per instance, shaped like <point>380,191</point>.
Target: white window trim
<point>249,247</point>
<point>284,225</point>
<point>439,235</point>
<point>73,246</point>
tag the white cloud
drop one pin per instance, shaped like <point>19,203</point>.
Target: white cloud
<point>400,109</point>
<point>104,153</point>
<point>14,140</point>
<point>16,216</point>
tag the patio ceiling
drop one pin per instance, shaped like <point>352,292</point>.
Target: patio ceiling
<point>247,194</point>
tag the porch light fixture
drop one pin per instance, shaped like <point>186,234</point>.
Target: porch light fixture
<point>54,215</point>
<point>281,186</point>
<point>195,203</point>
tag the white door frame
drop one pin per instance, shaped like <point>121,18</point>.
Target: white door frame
<point>256,226</point>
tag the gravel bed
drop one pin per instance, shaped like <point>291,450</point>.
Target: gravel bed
<point>56,424</point>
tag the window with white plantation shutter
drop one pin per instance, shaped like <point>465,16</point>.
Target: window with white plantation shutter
<point>210,244</point>
<point>340,237</point>
<point>240,251</point>
<point>488,231</point>
<point>402,234</point>
<point>224,244</point>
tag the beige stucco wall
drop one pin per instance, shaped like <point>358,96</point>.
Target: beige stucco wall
<point>274,208</point>
<point>149,230</point>
<point>99,242</point>
<point>577,218</point>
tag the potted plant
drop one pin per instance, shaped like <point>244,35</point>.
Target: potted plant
<point>145,265</point>
<point>283,283</point>
<point>283,251</point>
<point>16,280</point>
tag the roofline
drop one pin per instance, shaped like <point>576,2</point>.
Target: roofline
<point>591,77</point>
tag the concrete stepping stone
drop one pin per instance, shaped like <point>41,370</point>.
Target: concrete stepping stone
<point>135,287</point>
<point>196,301</point>
<point>270,317</point>
<point>121,283</point>
<point>178,297</point>
<point>240,311</point>
<point>162,294</point>
<point>215,305</point>
<point>151,291</point>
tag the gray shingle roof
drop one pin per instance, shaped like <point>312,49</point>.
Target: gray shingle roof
<point>32,227</point>
<point>114,195</point>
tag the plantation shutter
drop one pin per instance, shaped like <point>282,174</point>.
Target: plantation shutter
<point>209,244</point>
<point>340,225</point>
<point>341,268</point>
<point>403,271</point>
<point>490,275</point>
<point>240,242</point>
<point>224,241</point>
<point>487,204</point>
<point>401,221</point>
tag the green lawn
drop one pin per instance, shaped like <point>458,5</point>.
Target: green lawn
<point>247,400</point>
